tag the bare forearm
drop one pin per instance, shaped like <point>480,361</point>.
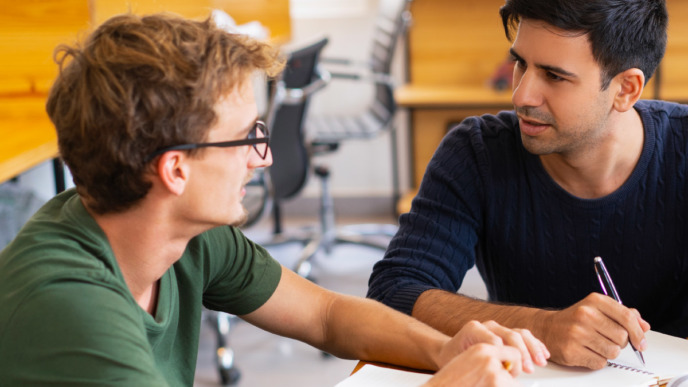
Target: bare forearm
<point>368,330</point>
<point>347,326</point>
<point>449,312</point>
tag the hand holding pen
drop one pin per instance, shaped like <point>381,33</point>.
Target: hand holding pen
<point>610,290</point>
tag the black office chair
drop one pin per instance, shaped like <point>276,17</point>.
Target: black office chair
<point>287,106</point>
<point>327,132</point>
<point>291,155</point>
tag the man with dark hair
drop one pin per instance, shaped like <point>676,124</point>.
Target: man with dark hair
<point>105,285</point>
<point>581,168</point>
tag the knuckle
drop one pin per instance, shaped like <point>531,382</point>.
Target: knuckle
<point>594,296</point>
<point>583,313</point>
<point>614,352</point>
<point>524,332</point>
<point>596,363</point>
<point>483,349</point>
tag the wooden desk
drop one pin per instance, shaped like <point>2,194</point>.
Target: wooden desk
<point>361,363</point>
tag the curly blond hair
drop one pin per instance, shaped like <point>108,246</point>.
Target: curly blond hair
<point>138,84</point>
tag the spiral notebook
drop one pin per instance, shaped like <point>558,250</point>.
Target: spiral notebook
<point>666,357</point>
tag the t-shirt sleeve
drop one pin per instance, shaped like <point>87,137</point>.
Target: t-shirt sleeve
<point>241,275</point>
<point>72,333</point>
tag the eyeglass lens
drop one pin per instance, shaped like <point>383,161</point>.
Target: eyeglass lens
<point>259,131</point>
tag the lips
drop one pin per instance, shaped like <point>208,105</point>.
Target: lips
<point>530,127</point>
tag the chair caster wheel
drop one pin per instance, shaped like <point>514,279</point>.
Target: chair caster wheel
<point>229,376</point>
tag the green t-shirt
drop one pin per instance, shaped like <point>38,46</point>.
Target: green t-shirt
<point>68,318</point>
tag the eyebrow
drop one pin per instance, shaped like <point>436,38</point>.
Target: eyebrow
<point>553,69</point>
<point>250,126</point>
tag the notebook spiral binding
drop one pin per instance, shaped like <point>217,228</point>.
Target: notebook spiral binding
<point>628,368</point>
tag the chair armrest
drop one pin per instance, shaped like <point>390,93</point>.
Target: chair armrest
<point>368,76</point>
<point>295,96</point>
<point>344,62</point>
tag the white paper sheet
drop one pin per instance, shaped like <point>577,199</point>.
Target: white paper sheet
<point>665,357</point>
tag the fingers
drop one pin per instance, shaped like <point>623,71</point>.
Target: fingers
<point>480,365</point>
<point>536,348</point>
<point>645,326</point>
<point>499,359</point>
<point>481,333</point>
<point>622,324</point>
<point>532,350</point>
<point>594,330</point>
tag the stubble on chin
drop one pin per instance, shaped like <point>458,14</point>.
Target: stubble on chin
<point>241,220</point>
<point>244,215</point>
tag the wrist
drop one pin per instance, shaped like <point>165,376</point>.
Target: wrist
<point>542,322</point>
<point>432,346</point>
<point>441,353</point>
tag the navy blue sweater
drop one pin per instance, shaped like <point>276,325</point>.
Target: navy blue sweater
<point>486,201</point>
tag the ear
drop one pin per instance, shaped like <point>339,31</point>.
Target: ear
<point>173,171</point>
<point>630,85</point>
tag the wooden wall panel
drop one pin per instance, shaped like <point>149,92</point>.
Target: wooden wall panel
<point>456,42</point>
<point>29,32</point>
<point>274,14</point>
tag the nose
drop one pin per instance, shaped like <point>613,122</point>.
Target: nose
<point>255,161</point>
<point>526,89</point>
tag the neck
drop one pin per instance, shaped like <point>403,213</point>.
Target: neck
<point>603,167</point>
<point>145,244</point>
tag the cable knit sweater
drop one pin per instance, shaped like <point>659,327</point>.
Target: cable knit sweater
<point>486,201</point>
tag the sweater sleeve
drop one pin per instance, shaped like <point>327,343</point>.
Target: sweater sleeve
<point>436,241</point>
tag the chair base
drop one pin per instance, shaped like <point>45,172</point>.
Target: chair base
<point>221,324</point>
<point>375,236</point>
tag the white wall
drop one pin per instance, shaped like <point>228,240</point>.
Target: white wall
<point>359,168</point>
<point>41,180</point>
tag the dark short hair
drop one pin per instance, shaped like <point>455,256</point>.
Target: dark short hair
<point>623,34</point>
<point>137,84</point>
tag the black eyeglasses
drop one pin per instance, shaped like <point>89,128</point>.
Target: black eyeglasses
<point>259,137</point>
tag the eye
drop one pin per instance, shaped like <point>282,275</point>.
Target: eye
<point>519,62</point>
<point>554,77</point>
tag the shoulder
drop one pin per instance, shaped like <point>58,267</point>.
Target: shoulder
<point>222,245</point>
<point>485,132</point>
<point>482,140</point>
<point>656,108</point>
<point>488,125</point>
<point>239,275</point>
<point>665,123</point>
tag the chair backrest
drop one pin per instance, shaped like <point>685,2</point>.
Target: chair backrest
<point>290,98</point>
<point>393,19</point>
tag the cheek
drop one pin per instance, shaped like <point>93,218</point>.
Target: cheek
<point>517,75</point>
